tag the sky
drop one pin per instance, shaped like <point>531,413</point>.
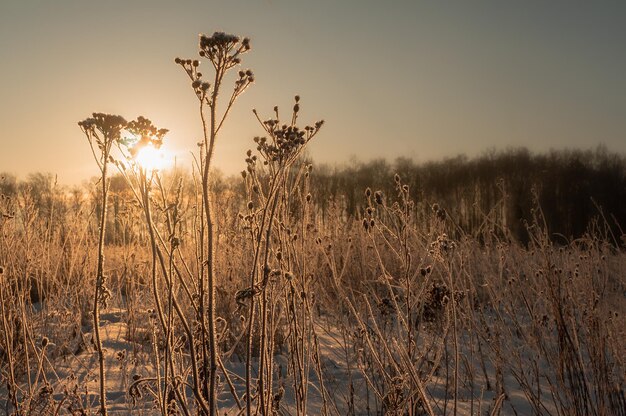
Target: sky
<point>418,79</point>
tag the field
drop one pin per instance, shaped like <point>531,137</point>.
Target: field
<point>176,293</point>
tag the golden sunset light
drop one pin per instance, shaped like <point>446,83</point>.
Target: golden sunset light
<point>151,158</point>
<point>271,208</point>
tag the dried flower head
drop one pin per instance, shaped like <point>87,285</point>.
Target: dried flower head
<point>143,133</point>
<point>378,196</point>
<point>286,141</point>
<point>104,130</point>
<point>222,49</point>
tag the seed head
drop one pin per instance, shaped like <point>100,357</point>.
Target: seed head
<point>378,196</point>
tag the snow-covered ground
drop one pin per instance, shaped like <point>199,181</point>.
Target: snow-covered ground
<point>73,379</point>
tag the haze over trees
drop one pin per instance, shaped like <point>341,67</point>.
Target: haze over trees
<point>500,192</point>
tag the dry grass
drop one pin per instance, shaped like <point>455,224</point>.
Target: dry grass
<point>251,299</point>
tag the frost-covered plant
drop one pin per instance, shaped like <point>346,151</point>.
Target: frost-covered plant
<point>271,186</point>
<point>224,52</point>
<point>102,132</point>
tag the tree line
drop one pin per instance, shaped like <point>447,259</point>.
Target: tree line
<point>498,192</point>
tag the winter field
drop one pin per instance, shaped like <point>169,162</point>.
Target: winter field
<point>357,316</point>
<point>161,292</point>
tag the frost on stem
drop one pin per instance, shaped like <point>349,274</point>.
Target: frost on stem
<point>102,130</point>
<point>224,52</point>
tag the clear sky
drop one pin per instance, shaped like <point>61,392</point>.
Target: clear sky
<point>423,79</point>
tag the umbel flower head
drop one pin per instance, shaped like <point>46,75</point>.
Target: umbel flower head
<point>143,133</point>
<point>103,130</point>
<point>109,125</point>
<point>223,49</point>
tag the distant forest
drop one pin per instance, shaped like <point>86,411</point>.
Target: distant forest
<point>500,192</point>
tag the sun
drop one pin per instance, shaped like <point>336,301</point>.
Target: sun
<point>152,159</point>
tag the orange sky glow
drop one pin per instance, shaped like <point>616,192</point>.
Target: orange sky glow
<point>414,79</point>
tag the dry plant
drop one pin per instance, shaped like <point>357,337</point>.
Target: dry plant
<point>258,296</point>
<point>272,188</point>
<point>102,132</point>
<point>224,53</point>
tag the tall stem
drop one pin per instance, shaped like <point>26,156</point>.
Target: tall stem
<point>210,133</point>
<point>99,284</point>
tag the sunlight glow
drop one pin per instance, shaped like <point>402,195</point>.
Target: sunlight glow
<point>152,159</point>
